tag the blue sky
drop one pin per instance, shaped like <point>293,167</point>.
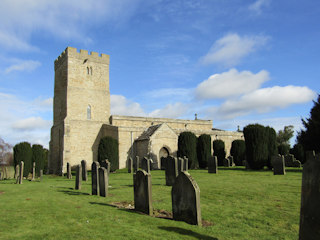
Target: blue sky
<point>235,62</point>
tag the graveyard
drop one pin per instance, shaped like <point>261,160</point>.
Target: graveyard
<point>235,204</point>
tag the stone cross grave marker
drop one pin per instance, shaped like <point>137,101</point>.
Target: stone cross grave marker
<point>171,170</point>
<point>95,177</point>
<point>21,172</point>
<point>310,199</point>
<point>213,164</point>
<point>145,164</point>
<point>278,164</point>
<point>84,170</point>
<point>130,165</point>
<point>78,177</point>
<point>142,192</point>
<point>185,195</point>
<point>103,182</point>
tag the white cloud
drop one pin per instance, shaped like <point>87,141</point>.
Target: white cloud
<point>263,100</point>
<point>230,84</point>
<point>122,106</point>
<point>169,93</point>
<point>175,110</point>
<point>232,48</point>
<point>28,65</point>
<point>258,5</point>
<point>32,123</point>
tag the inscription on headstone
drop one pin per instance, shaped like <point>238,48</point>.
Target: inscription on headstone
<point>95,178</point>
<point>171,170</point>
<point>142,192</point>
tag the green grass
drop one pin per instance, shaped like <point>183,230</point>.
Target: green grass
<point>240,204</point>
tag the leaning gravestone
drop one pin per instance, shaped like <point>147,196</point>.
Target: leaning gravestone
<point>278,164</point>
<point>226,162</point>
<point>180,165</point>
<point>130,165</point>
<point>33,171</point>
<point>84,170</point>
<point>21,172</point>
<point>69,175</point>
<point>106,164</point>
<point>78,177</point>
<point>171,170</point>
<point>185,195</point>
<point>136,164</point>
<point>95,178</point>
<point>145,164</point>
<point>213,164</point>
<point>310,199</point>
<point>185,163</point>
<point>142,192</point>
<point>103,182</point>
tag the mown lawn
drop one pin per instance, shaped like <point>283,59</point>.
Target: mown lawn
<point>240,205</point>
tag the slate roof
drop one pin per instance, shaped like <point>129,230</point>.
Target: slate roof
<point>149,132</point>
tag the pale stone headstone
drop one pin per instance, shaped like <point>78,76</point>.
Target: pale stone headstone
<point>130,165</point>
<point>180,165</point>
<point>213,164</point>
<point>171,170</point>
<point>21,172</point>
<point>136,164</point>
<point>84,170</point>
<point>185,163</point>
<point>33,171</point>
<point>69,175</point>
<point>103,182</point>
<point>142,192</point>
<point>41,174</point>
<point>145,164</point>
<point>232,164</point>
<point>78,177</point>
<point>278,164</point>
<point>16,173</point>
<point>226,162</point>
<point>310,199</point>
<point>106,164</point>
<point>95,178</point>
<point>185,195</point>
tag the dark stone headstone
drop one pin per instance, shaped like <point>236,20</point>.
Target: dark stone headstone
<point>278,164</point>
<point>185,163</point>
<point>145,164</point>
<point>186,200</point>
<point>84,170</point>
<point>78,177</point>
<point>136,164</point>
<point>226,162</point>
<point>95,178</point>
<point>142,192</point>
<point>103,182</point>
<point>21,172</point>
<point>163,163</point>
<point>310,199</point>
<point>106,164</point>
<point>69,175</point>
<point>171,170</point>
<point>213,164</point>
<point>180,165</point>
<point>130,165</point>
<point>296,163</point>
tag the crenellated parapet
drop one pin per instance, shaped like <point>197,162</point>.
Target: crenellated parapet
<point>84,55</point>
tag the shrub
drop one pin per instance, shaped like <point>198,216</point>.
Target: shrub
<point>38,156</point>
<point>187,146</point>
<point>203,150</point>
<point>283,149</point>
<point>219,151</point>
<point>298,152</point>
<point>109,149</point>
<point>256,139</point>
<point>272,145</point>
<point>238,151</point>
<point>23,152</point>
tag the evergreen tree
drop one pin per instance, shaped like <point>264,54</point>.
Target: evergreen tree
<point>219,151</point>
<point>46,157</point>
<point>203,150</point>
<point>187,146</point>
<point>238,151</point>
<point>272,145</point>
<point>38,157</point>
<point>109,149</point>
<point>298,152</point>
<point>23,152</point>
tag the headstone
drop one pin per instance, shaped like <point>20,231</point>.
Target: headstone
<point>84,170</point>
<point>289,159</point>
<point>185,195</point>
<point>106,164</point>
<point>130,165</point>
<point>103,182</point>
<point>142,192</point>
<point>145,164</point>
<point>33,171</point>
<point>278,164</point>
<point>69,175</point>
<point>213,164</point>
<point>171,170</point>
<point>21,172</point>
<point>16,173</point>
<point>310,199</point>
<point>185,163</point>
<point>136,164</point>
<point>296,163</point>
<point>95,177</point>
<point>226,162</point>
<point>232,164</point>
<point>78,177</point>
<point>41,175</point>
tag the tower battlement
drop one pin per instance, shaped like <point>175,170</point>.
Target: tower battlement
<point>83,54</point>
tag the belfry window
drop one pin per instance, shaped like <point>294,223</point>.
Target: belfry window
<point>88,112</point>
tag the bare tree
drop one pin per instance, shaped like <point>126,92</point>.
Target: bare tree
<point>6,156</point>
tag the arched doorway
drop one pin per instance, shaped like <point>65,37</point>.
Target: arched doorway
<point>163,153</point>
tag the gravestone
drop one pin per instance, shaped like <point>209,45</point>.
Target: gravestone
<point>289,159</point>
<point>41,175</point>
<point>226,162</point>
<point>145,164</point>
<point>33,171</point>
<point>95,177</point>
<point>142,192</point>
<point>69,175</point>
<point>103,182</point>
<point>136,164</point>
<point>130,165</point>
<point>84,170</point>
<point>171,170</point>
<point>232,164</point>
<point>278,164</point>
<point>106,164</point>
<point>296,163</point>
<point>163,163</point>
<point>185,195</point>
<point>310,199</point>
<point>21,172</point>
<point>180,165</point>
<point>213,164</point>
<point>16,173</point>
<point>185,163</point>
<point>78,177</point>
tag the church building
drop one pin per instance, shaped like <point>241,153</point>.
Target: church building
<point>81,117</point>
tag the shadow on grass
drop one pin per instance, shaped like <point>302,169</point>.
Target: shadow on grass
<point>293,169</point>
<point>73,192</point>
<point>187,233</point>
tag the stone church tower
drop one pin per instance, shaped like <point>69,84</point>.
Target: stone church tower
<point>81,106</point>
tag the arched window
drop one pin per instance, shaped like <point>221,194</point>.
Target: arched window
<point>88,112</point>
<point>88,71</point>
